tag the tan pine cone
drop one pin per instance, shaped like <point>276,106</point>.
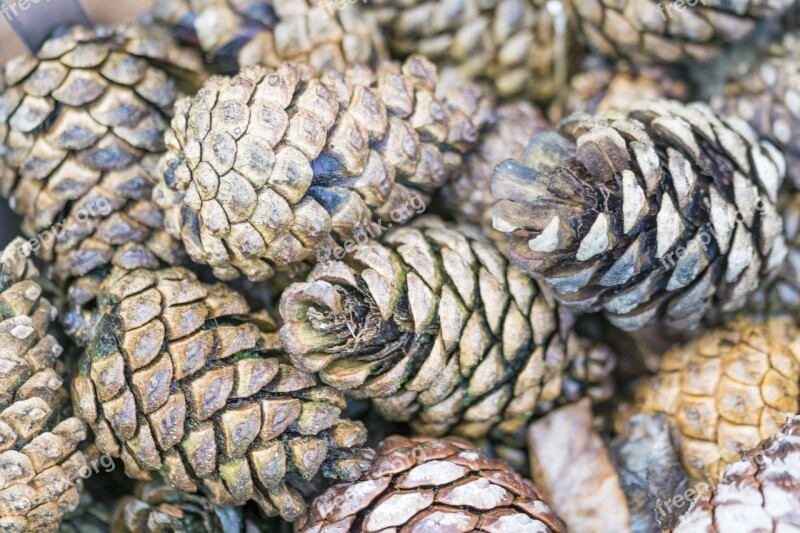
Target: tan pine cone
<point>40,465</point>
<point>760,492</point>
<point>239,33</point>
<point>81,131</point>
<point>439,329</point>
<point>727,390</point>
<point>663,213</point>
<point>180,379</point>
<point>274,170</point>
<point>665,31</point>
<point>423,485</point>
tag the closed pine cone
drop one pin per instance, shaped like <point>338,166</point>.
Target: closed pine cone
<point>662,213</point>
<point>422,485</point>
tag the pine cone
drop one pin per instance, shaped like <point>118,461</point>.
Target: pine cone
<point>660,213</point>
<point>40,464</point>
<point>439,329</point>
<point>81,130</point>
<point>268,171</point>
<point>236,33</point>
<point>726,391</point>
<point>179,380</point>
<point>760,492</point>
<point>663,32</point>
<point>423,485</point>
<point>521,47</point>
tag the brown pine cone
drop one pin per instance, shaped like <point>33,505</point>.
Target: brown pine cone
<point>760,492</point>
<point>239,33</point>
<point>727,390</point>
<point>666,31</point>
<point>179,379</point>
<point>521,47</point>
<point>41,468</point>
<point>423,485</point>
<point>272,171</point>
<point>439,329</point>
<point>81,131</point>
<point>661,213</point>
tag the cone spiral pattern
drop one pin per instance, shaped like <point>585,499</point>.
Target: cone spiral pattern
<point>728,390</point>
<point>271,171</point>
<point>662,213</point>
<point>179,379</point>
<point>760,492</point>
<point>40,465</point>
<point>439,329</point>
<point>422,484</point>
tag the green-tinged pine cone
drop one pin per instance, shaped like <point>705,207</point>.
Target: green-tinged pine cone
<point>81,131</point>
<point>437,327</point>
<point>274,171</point>
<point>425,485</point>
<point>40,465</point>
<point>727,390</point>
<point>180,379</point>
<point>662,213</point>
<point>665,31</point>
<point>760,492</point>
<point>766,95</point>
<point>238,33</point>
<point>158,508</point>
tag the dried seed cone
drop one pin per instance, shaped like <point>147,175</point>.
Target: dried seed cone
<point>178,380</point>
<point>658,32</point>
<point>270,171</point>
<point>239,33</point>
<point>439,329</point>
<point>727,390</point>
<point>40,464</point>
<point>760,492</point>
<point>424,484</point>
<point>661,213</point>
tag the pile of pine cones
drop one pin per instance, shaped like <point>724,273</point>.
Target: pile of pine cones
<point>405,265</point>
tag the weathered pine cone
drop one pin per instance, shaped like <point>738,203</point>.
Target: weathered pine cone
<point>437,327</point>
<point>727,390</point>
<point>520,46</point>
<point>665,32</point>
<point>81,131</point>
<point>662,213</point>
<point>759,492</point>
<point>236,33</point>
<point>422,485</point>
<point>41,467</point>
<point>179,379</point>
<point>271,171</point>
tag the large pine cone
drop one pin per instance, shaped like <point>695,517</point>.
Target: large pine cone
<point>727,390</point>
<point>274,171</point>
<point>520,46</point>
<point>422,485</point>
<point>239,33</point>
<point>81,130</point>
<point>439,329</point>
<point>178,380</point>
<point>41,468</point>
<point>664,32</point>
<point>660,213</point>
<point>760,492</point>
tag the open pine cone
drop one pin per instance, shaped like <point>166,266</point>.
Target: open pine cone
<point>179,379</point>
<point>272,171</point>
<point>239,33</point>
<point>661,213</point>
<point>41,467</point>
<point>437,327</point>
<point>421,485</point>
